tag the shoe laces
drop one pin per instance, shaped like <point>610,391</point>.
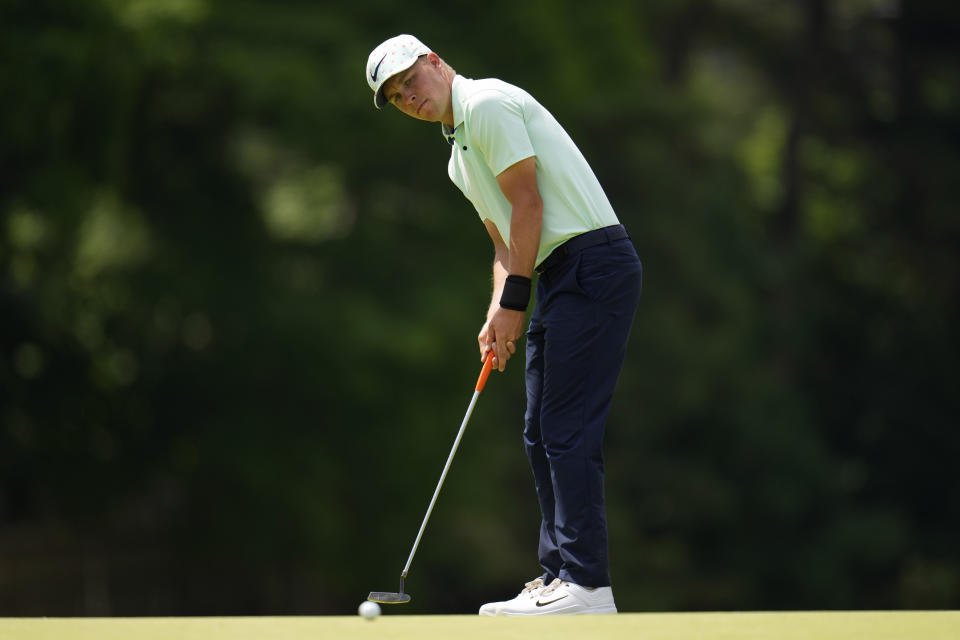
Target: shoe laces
<point>531,587</point>
<point>553,586</point>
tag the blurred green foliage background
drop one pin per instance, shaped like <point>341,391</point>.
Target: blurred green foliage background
<point>239,306</point>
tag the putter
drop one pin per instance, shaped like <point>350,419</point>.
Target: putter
<point>387,597</point>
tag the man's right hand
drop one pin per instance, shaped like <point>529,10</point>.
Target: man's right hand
<point>487,339</point>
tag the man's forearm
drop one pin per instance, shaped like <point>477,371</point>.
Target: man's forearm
<point>501,270</point>
<point>525,224</point>
<point>521,257</point>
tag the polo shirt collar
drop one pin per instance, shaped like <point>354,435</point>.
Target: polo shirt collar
<point>456,95</point>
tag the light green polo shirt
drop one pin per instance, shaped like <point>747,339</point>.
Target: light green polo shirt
<point>497,125</point>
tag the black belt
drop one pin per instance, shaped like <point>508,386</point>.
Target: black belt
<point>583,241</point>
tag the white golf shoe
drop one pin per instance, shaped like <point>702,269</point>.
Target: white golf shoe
<point>559,598</point>
<point>530,592</point>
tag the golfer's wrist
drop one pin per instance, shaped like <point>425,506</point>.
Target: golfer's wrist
<point>516,293</point>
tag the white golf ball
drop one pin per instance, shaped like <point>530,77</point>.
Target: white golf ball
<point>369,610</point>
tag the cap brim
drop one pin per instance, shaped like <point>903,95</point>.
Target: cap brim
<point>379,99</point>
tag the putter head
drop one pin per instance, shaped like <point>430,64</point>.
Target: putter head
<point>386,597</point>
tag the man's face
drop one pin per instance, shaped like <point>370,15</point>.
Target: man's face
<point>421,91</point>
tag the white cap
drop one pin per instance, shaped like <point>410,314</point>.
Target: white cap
<point>390,58</point>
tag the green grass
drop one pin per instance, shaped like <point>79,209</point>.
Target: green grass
<point>838,625</point>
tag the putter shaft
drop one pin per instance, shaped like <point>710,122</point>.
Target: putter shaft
<point>484,373</point>
<point>433,501</point>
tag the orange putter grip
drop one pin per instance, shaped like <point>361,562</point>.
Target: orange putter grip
<point>485,372</point>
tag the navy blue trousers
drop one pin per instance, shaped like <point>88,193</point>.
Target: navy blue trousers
<point>576,343</point>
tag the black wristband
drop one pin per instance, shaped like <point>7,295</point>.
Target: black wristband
<point>516,293</point>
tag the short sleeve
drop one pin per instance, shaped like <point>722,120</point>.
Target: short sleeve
<point>498,129</point>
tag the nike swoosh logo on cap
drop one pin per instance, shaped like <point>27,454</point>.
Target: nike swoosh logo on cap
<point>376,69</point>
<point>543,604</point>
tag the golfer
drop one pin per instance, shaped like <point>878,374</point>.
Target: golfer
<point>545,212</point>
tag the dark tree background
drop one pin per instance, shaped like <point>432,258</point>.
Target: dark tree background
<point>238,306</point>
